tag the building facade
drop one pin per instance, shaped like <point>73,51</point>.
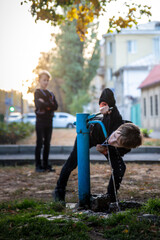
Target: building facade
<point>12,98</point>
<point>128,95</point>
<point>122,49</point>
<point>150,100</point>
<point>126,59</point>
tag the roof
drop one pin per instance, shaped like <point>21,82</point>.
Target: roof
<point>146,28</point>
<point>141,64</point>
<point>149,60</point>
<point>152,78</point>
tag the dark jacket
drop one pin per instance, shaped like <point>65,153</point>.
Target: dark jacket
<point>111,121</point>
<point>45,110</point>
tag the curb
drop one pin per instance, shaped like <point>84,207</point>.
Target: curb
<point>13,155</point>
<point>60,159</point>
<point>29,149</point>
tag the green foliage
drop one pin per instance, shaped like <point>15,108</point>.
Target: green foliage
<point>12,132</point>
<point>84,12</point>
<point>153,206</point>
<point>68,62</point>
<point>21,220</point>
<point>78,102</point>
<point>71,64</point>
<point>146,132</point>
<point>152,143</point>
<point>129,225</point>
<point>1,117</point>
<point>20,206</point>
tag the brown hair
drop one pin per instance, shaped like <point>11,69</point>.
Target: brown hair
<point>130,135</point>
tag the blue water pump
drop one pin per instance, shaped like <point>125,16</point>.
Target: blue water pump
<point>82,128</point>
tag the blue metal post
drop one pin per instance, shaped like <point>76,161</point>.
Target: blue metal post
<point>82,128</point>
<point>83,159</point>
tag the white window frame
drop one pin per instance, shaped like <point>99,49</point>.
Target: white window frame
<point>132,46</point>
<point>109,48</point>
<point>151,105</point>
<point>145,107</point>
<point>109,74</point>
<point>156,46</point>
<point>156,105</point>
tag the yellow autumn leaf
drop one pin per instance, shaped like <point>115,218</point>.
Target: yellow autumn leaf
<point>81,8</point>
<point>95,3</point>
<point>125,231</point>
<point>72,14</point>
<point>43,14</point>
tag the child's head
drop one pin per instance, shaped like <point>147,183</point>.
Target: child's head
<point>127,135</point>
<point>107,97</point>
<point>44,77</point>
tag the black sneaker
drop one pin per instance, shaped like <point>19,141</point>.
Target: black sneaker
<point>59,195</point>
<point>100,203</point>
<point>49,169</point>
<point>39,169</point>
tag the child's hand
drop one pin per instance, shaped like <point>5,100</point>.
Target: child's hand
<point>41,100</point>
<point>101,149</point>
<point>104,110</point>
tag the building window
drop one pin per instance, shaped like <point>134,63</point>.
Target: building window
<point>151,106</point>
<point>109,48</point>
<point>109,74</point>
<point>156,46</point>
<point>156,105</point>
<point>144,106</point>
<point>132,46</point>
<point>157,26</point>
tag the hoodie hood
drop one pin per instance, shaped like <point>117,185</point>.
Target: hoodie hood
<point>108,97</point>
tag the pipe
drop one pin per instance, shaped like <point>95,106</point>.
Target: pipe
<point>82,128</point>
<point>83,159</point>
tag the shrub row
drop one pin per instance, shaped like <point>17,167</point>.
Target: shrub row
<point>12,132</point>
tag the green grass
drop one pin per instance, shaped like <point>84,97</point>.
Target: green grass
<point>19,220</point>
<point>151,143</point>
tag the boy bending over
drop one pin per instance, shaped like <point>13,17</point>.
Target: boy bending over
<point>120,141</point>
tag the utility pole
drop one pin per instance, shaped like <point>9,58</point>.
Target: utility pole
<point>22,106</point>
<point>22,101</point>
<point>6,102</point>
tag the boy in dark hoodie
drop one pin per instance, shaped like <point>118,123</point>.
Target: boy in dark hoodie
<point>112,120</point>
<point>46,104</point>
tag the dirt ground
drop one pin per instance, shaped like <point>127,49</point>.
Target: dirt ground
<point>141,181</point>
<point>66,137</point>
<point>60,137</point>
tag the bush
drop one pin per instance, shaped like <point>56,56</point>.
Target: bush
<point>1,117</point>
<point>146,132</point>
<point>12,132</point>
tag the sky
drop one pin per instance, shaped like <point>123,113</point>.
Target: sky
<point>22,40</point>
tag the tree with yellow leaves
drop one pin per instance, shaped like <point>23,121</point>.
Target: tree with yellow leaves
<point>85,11</point>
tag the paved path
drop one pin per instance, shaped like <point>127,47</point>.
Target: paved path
<point>59,159</point>
<point>19,155</point>
<point>155,134</point>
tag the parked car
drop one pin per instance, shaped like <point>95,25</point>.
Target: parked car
<point>29,117</point>
<point>63,120</point>
<point>60,119</point>
<point>14,117</point>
